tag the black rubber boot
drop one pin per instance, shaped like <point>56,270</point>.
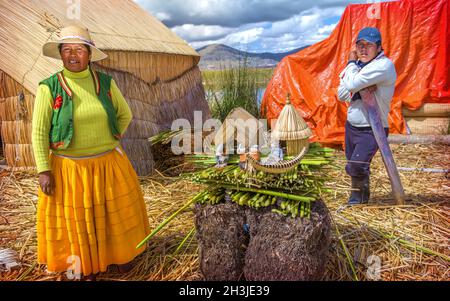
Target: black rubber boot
<point>355,196</point>
<point>360,191</point>
<point>365,188</point>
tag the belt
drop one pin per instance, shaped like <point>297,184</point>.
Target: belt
<point>359,128</point>
<point>89,157</point>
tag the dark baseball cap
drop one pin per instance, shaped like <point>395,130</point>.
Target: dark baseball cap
<point>369,34</point>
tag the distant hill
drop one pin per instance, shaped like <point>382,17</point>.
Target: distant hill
<point>219,56</point>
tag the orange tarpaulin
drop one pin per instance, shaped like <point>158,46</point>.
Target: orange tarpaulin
<point>415,36</point>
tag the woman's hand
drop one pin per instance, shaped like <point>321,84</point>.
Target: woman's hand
<point>47,182</point>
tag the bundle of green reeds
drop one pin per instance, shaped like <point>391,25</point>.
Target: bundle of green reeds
<point>164,137</point>
<point>289,193</point>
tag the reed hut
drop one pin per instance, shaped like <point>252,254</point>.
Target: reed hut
<point>156,70</point>
<point>292,129</point>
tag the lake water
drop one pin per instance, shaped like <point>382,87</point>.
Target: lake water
<point>259,95</point>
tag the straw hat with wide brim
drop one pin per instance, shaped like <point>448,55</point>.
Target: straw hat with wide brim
<point>76,35</point>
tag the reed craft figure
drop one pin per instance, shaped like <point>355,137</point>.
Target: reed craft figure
<point>367,68</point>
<point>90,205</point>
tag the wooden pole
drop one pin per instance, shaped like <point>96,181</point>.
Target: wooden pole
<point>371,106</point>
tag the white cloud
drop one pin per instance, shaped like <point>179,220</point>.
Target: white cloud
<point>162,16</point>
<point>326,30</point>
<point>237,40</point>
<point>303,29</point>
<point>244,37</point>
<point>233,13</point>
<point>253,25</point>
<point>193,33</point>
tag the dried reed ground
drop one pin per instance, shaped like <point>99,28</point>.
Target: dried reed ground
<point>380,228</point>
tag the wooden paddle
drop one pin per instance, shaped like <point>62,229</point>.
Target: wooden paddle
<point>371,106</point>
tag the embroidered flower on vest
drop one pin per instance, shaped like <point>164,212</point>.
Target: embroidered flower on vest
<point>57,145</point>
<point>109,95</point>
<point>58,102</point>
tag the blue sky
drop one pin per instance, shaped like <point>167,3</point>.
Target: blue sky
<point>251,25</point>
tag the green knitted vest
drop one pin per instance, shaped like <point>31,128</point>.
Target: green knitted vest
<point>61,130</point>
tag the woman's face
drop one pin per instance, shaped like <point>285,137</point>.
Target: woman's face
<point>367,51</point>
<point>75,57</point>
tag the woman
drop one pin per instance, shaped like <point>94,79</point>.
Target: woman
<point>91,211</point>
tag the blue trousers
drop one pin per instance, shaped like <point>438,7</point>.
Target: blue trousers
<point>360,148</point>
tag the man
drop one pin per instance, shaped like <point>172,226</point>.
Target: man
<point>367,68</point>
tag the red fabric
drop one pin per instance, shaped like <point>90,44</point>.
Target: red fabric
<point>415,36</point>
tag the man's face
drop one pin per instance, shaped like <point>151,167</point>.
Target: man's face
<point>367,51</point>
<point>75,57</point>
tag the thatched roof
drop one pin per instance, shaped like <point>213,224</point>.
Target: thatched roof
<point>156,71</point>
<point>290,124</point>
<point>114,25</point>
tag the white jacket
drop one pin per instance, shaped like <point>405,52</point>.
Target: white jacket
<point>380,72</point>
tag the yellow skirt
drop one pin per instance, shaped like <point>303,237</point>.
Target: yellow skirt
<point>95,217</point>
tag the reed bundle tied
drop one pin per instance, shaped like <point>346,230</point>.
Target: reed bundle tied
<point>288,193</point>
